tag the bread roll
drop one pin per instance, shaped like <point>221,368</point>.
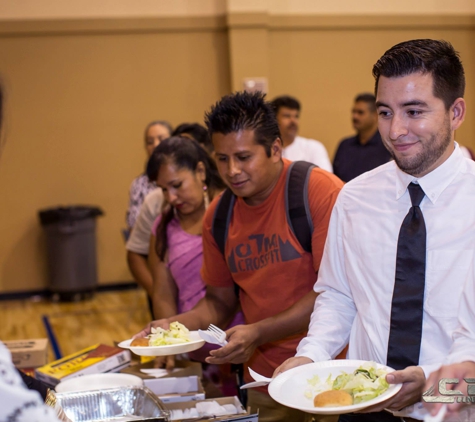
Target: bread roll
<point>333,398</point>
<point>141,342</point>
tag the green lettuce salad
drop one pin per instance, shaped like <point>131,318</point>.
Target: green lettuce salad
<point>176,334</point>
<point>365,383</point>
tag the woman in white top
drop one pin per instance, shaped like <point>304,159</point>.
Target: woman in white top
<point>155,132</point>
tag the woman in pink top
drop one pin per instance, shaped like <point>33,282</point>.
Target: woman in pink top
<point>189,180</point>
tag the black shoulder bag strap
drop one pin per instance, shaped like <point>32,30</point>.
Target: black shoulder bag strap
<point>297,208</point>
<point>222,217</point>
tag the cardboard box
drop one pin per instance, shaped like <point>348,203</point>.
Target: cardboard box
<point>183,368</point>
<point>242,416</point>
<point>28,353</point>
<point>96,359</point>
<point>183,384</point>
<point>175,390</point>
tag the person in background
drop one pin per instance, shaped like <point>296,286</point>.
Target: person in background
<point>296,148</point>
<point>364,151</point>
<point>400,243</point>
<point>197,132</point>
<point>138,243</point>
<point>189,180</point>
<point>274,272</point>
<point>155,132</point>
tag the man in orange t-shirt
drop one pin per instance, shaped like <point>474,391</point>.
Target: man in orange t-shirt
<point>262,255</point>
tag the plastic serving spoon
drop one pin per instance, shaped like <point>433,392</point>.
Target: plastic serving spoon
<point>253,384</point>
<point>260,380</point>
<point>259,377</point>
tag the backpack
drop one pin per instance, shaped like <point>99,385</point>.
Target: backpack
<point>297,209</point>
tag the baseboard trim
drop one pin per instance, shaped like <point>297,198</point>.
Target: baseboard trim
<point>46,293</point>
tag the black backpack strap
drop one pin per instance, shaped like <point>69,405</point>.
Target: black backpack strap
<point>299,217</point>
<point>222,218</point>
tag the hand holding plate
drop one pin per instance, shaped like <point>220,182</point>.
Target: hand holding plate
<point>412,379</point>
<point>292,363</point>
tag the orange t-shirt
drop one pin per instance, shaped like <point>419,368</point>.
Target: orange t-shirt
<point>265,259</point>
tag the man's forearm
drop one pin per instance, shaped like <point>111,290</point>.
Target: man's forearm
<point>292,321</point>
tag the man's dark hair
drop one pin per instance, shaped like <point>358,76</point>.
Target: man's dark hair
<point>285,101</point>
<point>367,98</point>
<point>197,132</point>
<point>244,111</point>
<point>437,58</point>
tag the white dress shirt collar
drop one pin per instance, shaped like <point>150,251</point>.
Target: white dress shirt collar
<point>433,183</point>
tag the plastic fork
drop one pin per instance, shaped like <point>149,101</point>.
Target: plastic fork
<point>209,337</point>
<point>218,333</point>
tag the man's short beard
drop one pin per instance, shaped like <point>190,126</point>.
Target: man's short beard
<point>432,151</point>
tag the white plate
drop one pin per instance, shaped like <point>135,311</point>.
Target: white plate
<point>98,382</point>
<point>289,387</point>
<point>175,349</point>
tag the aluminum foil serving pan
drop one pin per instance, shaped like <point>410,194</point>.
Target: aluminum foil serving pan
<point>131,403</point>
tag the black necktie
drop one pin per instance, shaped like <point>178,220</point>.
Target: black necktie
<point>408,297</point>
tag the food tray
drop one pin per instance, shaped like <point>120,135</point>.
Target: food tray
<point>131,403</point>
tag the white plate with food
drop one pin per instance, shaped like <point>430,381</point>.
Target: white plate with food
<point>174,341</point>
<point>362,384</point>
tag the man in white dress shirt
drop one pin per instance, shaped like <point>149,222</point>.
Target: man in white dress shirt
<point>419,90</point>
<point>298,148</point>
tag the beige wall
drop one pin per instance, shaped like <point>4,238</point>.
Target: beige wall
<point>84,9</point>
<point>76,108</point>
<point>326,60</point>
<point>81,90</point>
<point>345,7</point>
<point>326,68</point>
<point>60,9</point>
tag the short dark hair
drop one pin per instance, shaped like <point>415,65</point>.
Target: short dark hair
<point>244,111</point>
<point>437,58</point>
<point>367,98</point>
<point>163,123</point>
<point>197,132</point>
<point>285,101</point>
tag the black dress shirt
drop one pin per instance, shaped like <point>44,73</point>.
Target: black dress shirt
<point>353,158</point>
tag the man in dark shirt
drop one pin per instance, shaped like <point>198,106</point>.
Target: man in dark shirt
<point>365,151</point>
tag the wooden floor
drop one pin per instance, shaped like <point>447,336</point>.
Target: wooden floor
<point>109,317</point>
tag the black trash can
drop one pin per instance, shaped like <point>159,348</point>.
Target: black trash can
<point>71,249</point>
